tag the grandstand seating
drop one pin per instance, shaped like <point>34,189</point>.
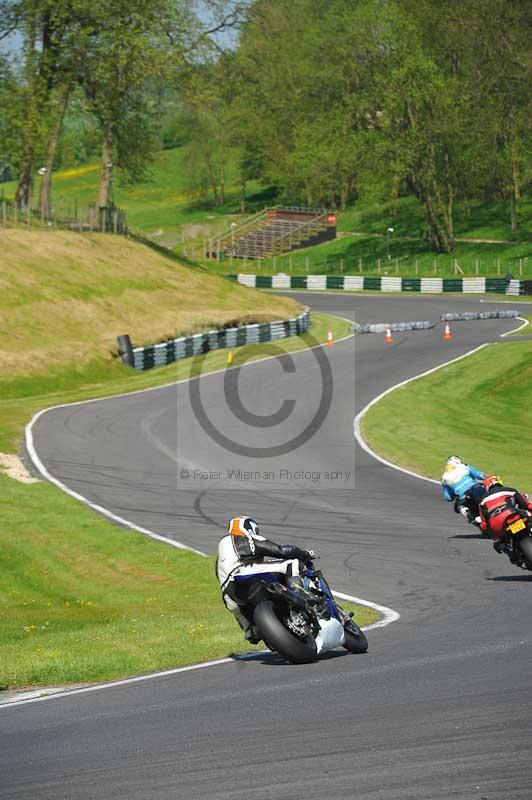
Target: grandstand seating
<point>275,231</point>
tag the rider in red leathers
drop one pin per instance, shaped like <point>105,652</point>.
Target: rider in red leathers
<point>499,504</point>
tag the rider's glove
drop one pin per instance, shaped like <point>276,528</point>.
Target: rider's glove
<point>306,556</point>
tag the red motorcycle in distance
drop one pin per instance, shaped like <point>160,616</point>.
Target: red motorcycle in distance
<point>517,538</point>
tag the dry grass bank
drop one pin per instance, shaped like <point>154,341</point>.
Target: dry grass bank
<point>65,297</point>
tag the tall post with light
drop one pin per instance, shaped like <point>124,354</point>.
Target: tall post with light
<point>389,233</point>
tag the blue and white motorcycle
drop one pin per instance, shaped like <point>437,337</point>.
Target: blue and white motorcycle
<point>299,624</point>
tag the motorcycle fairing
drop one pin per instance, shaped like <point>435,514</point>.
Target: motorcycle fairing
<point>331,605</point>
<point>267,577</point>
<point>331,635</point>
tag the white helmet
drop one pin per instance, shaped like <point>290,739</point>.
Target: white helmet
<point>453,461</point>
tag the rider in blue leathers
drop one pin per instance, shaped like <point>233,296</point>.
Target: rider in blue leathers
<point>462,483</point>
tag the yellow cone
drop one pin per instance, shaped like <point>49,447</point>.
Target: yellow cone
<point>229,358</point>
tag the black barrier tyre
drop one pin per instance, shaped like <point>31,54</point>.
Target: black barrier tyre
<point>355,642</point>
<point>526,549</point>
<point>272,630</point>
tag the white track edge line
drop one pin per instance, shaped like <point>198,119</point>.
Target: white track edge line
<point>30,447</point>
<point>361,414</point>
<point>509,333</point>
<point>389,615</point>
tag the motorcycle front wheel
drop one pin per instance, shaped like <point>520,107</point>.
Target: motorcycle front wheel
<point>355,639</point>
<point>279,638</point>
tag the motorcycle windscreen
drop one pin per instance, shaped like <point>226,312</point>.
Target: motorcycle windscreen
<point>331,635</point>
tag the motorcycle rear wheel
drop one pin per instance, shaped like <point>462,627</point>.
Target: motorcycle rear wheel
<point>279,638</point>
<point>355,642</point>
<point>525,546</point>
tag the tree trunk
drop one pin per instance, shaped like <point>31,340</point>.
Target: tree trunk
<point>516,193</point>
<point>243,195</point>
<point>46,179</point>
<point>23,195</point>
<point>212,178</point>
<point>394,198</point>
<point>222,185</point>
<point>344,194</point>
<point>104,194</point>
<point>24,191</point>
<point>439,217</point>
<point>440,236</point>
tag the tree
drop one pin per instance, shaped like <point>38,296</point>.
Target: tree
<point>44,25</point>
<point>501,76</point>
<point>10,119</point>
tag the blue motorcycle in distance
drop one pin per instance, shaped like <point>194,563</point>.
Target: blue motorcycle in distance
<point>299,624</point>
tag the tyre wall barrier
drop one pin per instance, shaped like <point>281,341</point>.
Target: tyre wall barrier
<point>385,284</point>
<point>395,327</point>
<point>158,355</point>
<point>465,315</point>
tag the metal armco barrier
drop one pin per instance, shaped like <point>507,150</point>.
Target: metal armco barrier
<point>321,283</point>
<point>158,355</point>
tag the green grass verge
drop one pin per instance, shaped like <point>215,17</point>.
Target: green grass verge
<point>82,600</point>
<point>480,408</point>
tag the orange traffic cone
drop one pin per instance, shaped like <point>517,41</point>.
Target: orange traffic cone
<point>447,331</point>
<point>330,339</point>
<point>388,338</point>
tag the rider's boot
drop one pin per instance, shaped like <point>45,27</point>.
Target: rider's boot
<point>249,630</point>
<point>295,582</point>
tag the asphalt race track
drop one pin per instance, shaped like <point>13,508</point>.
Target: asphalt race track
<point>440,706</point>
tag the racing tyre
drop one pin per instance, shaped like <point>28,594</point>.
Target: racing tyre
<point>272,630</point>
<point>526,549</point>
<point>355,639</point>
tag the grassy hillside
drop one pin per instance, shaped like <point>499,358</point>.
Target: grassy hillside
<point>64,298</point>
<point>174,212</point>
<point>166,207</point>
